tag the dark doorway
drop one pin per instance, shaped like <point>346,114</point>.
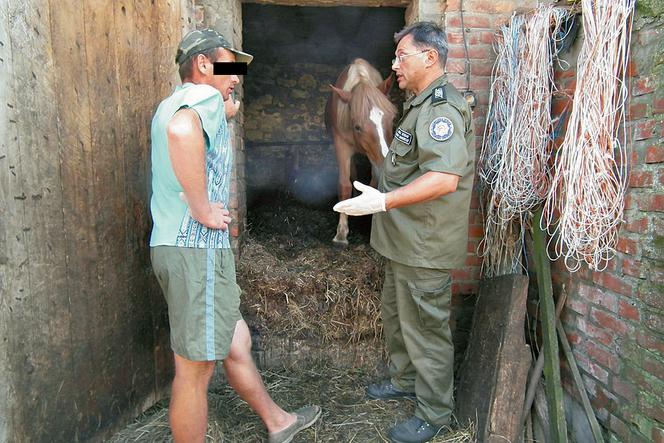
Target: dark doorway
<point>298,52</point>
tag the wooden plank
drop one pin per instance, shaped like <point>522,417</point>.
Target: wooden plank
<point>73,228</point>
<point>495,368</point>
<point>40,337</point>
<point>166,31</point>
<point>134,338</point>
<point>165,78</point>
<point>108,176</point>
<point>157,333</point>
<point>170,32</point>
<point>554,389</point>
<point>67,24</point>
<point>13,253</point>
<point>105,129</point>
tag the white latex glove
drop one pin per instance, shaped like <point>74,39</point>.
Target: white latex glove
<point>369,202</point>
<point>376,116</point>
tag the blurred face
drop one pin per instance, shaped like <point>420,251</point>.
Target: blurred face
<point>409,64</point>
<point>223,83</point>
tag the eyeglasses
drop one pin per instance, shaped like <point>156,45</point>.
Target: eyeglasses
<point>399,58</point>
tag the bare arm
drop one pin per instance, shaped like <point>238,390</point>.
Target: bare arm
<point>427,187</point>
<point>186,149</point>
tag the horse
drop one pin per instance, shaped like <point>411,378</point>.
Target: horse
<point>360,118</point>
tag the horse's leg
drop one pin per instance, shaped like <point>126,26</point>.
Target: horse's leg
<point>344,153</point>
<point>375,174</point>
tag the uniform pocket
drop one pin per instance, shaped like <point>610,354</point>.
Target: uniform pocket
<point>401,162</point>
<point>432,298</point>
<point>401,149</point>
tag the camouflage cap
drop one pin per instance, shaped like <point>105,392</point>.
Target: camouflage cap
<point>201,40</point>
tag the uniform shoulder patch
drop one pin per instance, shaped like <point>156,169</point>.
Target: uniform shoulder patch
<point>439,95</point>
<point>441,129</point>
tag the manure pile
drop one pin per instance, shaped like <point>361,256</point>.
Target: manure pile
<point>296,284</point>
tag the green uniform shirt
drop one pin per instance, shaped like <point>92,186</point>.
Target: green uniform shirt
<point>435,134</point>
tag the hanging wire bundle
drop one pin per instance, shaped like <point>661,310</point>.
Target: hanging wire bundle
<point>584,207</point>
<point>513,164</point>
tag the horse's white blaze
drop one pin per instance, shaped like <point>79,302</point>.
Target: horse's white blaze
<point>376,116</point>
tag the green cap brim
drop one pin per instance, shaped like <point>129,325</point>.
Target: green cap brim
<point>241,57</point>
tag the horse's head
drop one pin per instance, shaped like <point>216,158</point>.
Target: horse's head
<point>361,99</point>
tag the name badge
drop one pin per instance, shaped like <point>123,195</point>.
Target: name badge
<point>403,136</point>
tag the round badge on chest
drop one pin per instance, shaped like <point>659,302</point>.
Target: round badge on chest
<point>441,129</point>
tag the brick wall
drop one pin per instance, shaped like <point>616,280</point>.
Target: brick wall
<point>226,17</point>
<point>481,19</point>
<point>614,319</point>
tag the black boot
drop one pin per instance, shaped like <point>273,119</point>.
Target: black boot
<point>386,390</point>
<point>413,430</point>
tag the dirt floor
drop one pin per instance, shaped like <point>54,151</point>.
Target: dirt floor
<point>347,415</point>
<point>314,313</point>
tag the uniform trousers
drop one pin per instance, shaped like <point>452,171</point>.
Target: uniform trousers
<point>415,307</point>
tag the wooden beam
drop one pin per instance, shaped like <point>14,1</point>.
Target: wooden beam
<point>554,389</point>
<point>495,368</point>
<point>537,371</point>
<point>324,3</point>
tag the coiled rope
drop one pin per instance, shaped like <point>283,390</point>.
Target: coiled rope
<point>584,207</point>
<point>513,165</point>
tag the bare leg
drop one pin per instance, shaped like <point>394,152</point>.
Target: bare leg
<point>244,378</point>
<point>188,408</point>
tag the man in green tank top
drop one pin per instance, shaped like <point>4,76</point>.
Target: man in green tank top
<point>192,160</point>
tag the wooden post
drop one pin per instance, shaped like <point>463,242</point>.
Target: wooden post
<point>494,373</point>
<point>554,389</point>
<point>536,374</point>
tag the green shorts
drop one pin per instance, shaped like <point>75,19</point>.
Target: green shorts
<point>203,299</point>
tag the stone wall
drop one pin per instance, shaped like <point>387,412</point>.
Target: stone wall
<point>287,88</point>
<point>288,148</point>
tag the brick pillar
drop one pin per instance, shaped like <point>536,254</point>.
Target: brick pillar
<point>481,20</point>
<point>425,10</point>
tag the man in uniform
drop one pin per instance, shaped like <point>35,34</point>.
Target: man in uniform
<point>190,246</point>
<point>421,227</point>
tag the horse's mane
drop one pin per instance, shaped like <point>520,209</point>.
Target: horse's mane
<point>362,79</point>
